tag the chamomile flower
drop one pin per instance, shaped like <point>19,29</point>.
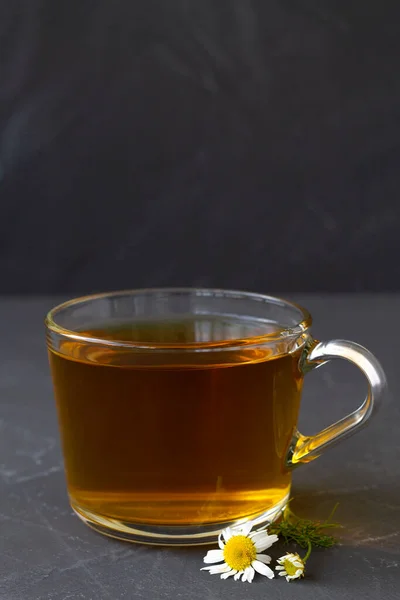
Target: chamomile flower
<point>239,553</point>
<point>291,566</point>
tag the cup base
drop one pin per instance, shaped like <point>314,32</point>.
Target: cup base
<point>164,535</point>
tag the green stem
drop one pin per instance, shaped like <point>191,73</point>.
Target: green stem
<point>308,552</point>
<point>331,515</point>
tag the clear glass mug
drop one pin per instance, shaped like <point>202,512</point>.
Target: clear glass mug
<point>178,408</point>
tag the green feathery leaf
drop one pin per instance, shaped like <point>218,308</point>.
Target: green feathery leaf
<point>304,532</point>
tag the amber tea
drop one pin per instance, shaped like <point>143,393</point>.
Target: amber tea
<point>178,408</point>
<point>158,438</point>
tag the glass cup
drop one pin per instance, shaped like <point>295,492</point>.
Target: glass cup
<point>178,408</point>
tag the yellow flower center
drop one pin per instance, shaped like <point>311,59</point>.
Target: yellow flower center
<point>239,552</point>
<point>289,567</point>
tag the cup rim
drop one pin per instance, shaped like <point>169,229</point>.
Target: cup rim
<point>295,330</point>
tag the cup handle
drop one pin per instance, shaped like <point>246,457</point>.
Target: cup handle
<point>306,448</point>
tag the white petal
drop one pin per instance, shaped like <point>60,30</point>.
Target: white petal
<point>264,558</point>
<point>248,574</point>
<point>282,574</point>
<point>272,539</point>
<point>216,569</point>
<point>260,530</point>
<point>288,578</point>
<point>228,574</point>
<point>266,542</point>
<point>263,569</point>
<point>297,564</point>
<point>220,542</point>
<point>227,534</point>
<point>279,568</point>
<point>238,575</point>
<point>257,533</point>
<point>246,528</point>
<point>213,556</point>
<point>260,538</point>
<point>298,573</point>
<point>284,557</point>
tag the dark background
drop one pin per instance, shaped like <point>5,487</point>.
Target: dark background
<point>236,143</point>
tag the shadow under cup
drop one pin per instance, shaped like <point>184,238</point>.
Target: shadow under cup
<point>178,409</point>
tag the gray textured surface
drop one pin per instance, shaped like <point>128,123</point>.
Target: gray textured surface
<point>48,554</point>
<point>228,143</point>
